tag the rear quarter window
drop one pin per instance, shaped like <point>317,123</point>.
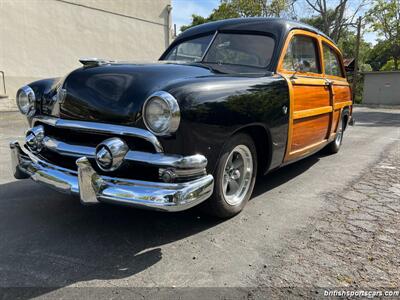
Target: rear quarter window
<point>332,62</point>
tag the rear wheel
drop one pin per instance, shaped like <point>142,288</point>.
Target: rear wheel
<point>334,146</point>
<point>234,177</point>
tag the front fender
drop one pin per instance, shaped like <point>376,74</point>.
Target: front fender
<point>44,91</point>
<point>212,110</point>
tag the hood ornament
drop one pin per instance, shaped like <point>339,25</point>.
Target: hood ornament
<point>93,62</point>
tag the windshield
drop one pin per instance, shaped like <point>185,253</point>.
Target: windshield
<point>227,48</point>
<point>191,50</point>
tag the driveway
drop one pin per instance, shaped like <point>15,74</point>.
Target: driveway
<point>49,240</point>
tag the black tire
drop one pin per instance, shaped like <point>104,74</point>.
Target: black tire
<point>217,205</point>
<point>334,146</point>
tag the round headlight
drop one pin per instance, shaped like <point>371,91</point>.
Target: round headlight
<point>161,113</point>
<point>26,100</point>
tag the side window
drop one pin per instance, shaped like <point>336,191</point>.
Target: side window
<point>332,62</point>
<point>302,54</point>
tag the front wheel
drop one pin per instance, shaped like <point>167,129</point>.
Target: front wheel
<point>234,177</point>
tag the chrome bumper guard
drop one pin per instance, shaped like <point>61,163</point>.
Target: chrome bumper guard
<point>95,188</point>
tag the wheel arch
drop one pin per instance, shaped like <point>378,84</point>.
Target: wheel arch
<point>261,136</point>
<point>346,116</point>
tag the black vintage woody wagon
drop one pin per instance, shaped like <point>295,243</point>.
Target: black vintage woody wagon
<point>226,101</point>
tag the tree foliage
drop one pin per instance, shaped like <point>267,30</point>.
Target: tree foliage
<point>333,17</point>
<point>242,9</point>
<point>347,44</point>
<point>379,55</point>
<point>385,19</point>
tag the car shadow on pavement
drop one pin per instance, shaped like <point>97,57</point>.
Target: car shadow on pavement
<point>50,240</point>
<point>377,119</point>
<point>280,176</point>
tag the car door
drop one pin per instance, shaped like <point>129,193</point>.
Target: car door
<point>310,99</point>
<point>336,80</point>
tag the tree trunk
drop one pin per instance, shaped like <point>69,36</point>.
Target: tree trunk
<point>338,23</point>
<point>355,73</point>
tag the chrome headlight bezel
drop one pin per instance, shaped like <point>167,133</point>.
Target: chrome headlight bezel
<point>29,108</point>
<point>174,113</point>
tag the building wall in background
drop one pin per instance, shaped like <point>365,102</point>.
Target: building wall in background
<point>381,88</point>
<point>45,38</point>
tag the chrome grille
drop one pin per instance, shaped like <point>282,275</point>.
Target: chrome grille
<point>65,141</point>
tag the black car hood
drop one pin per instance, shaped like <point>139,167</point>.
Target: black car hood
<point>115,93</point>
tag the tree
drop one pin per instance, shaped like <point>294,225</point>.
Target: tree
<point>384,16</point>
<point>347,41</point>
<point>318,22</point>
<point>242,9</point>
<point>347,44</point>
<point>389,66</point>
<point>379,55</point>
<point>331,17</point>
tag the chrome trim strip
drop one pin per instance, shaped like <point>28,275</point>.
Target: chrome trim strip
<point>209,46</point>
<point>101,128</point>
<point>67,149</point>
<point>15,161</point>
<point>196,161</point>
<point>94,188</point>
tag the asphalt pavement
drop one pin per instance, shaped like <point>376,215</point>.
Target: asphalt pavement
<point>50,240</point>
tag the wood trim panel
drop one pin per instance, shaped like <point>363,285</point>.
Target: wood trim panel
<point>336,116</point>
<point>339,82</point>
<point>290,125</point>
<point>342,104</point>
<point>309,131</point>
<point>342,93</point>
<point>306,150</point>
<point>309,81</point>
<point>308,97</point>
<point>311,112</point>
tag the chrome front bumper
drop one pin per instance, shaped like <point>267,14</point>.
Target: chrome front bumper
<point>94,188</point>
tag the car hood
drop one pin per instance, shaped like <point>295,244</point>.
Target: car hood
<point>115,93</point>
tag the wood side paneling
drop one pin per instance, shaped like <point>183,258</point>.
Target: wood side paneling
<point>309,97</point>
<point>308,131</point>
<point>342,93</point>
<point>311,112</point>
<point>336,115</point>
<point>315,107</point>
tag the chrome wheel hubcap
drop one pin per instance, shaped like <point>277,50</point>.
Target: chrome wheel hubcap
<point>238,172</point>
<point>339,134</point>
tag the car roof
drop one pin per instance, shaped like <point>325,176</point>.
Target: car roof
<point>278,26</point>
